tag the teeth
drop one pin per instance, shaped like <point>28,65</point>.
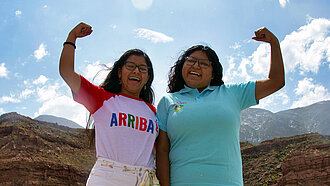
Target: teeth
<point>195,73</point>
<point>134,78</point>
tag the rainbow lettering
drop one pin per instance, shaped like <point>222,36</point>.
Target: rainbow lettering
<point>135,122</point>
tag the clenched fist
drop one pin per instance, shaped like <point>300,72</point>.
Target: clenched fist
<point>263,34</point>
<point>81,30</point>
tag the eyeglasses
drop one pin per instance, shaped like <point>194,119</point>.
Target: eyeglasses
<point>203,63</point>
<point>131,66</point>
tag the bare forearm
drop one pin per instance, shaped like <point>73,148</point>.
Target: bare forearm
<point>163,168</point>
<point>67,57</point>
<point>276,71</point>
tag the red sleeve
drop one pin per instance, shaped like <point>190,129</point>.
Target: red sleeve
<point>151,107</point>
<point>91,96</point>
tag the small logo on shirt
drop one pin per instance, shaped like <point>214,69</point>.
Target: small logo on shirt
<point>178,106</point>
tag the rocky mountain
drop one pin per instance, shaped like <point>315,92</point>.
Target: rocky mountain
<point>259,124</point>
<point>34,152</point>
<point>297,160</point>
<point>58,120</point>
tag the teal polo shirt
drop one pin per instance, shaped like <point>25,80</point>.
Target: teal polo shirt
<point>203,129</point>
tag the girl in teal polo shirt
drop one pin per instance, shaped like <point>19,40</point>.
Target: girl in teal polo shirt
<point>199,120</point>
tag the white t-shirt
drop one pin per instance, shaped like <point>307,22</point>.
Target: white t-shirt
<point>125,127</point>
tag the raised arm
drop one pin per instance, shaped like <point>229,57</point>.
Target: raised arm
<point>276,79</point>
<point>66,67</point>
<point>162,158</point>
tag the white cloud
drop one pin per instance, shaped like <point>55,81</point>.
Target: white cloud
<point>307,47</point>
<point>40,52</point>
<point>2,111</point>
<point>38,82</point>
<point>64,106</point>
<point>28,84</point>
<point>45,6</point>
<point>257,63</point>
<point>309,93</point>
<point>55,101</point>
<point>235,46</point>
<point>141,4</point>
<point>260,59</point>
<point>154,36</point>
<point>48,92</point>
<point>9,99</point>
<point>3,70</point>
<point>18,13</point>
<point>230,72</point>
<point>237,74</point>
<point>246,68</point>
<point>26,93</point>
<point>283,3</point>
<point>41,80</point>
<point>96,72</point>
<point>275,100</point>
<point>242,68</point>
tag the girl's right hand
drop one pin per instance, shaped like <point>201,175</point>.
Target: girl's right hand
<point>81,30</point>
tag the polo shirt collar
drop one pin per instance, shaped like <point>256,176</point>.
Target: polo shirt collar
<point>187,89</point>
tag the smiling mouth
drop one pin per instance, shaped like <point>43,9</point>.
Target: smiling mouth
<point>195,74</point>
<point>134,79</point>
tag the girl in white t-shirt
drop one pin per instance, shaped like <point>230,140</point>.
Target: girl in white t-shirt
<point>124,119</point>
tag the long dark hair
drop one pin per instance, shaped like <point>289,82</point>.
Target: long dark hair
<point>176,82</point>
<point>112,84</point>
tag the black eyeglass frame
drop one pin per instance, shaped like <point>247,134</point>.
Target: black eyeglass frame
<point>138,66</point>
<point>193,61</point>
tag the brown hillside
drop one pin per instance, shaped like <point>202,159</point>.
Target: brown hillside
<point>297,160</point>
<point>41,153</point>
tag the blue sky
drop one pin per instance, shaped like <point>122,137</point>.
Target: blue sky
<point>32,34</point>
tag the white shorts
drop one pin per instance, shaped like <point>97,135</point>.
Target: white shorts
<point>110,173</point>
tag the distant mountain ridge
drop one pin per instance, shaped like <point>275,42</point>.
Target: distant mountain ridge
<point>259,124</point>
<point>34,152</point>
<point>58,120</point>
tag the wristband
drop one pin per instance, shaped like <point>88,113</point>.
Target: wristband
<point>70,43</point>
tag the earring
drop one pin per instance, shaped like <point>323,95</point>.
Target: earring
<point>145,87</point>
<point>119,81</point>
